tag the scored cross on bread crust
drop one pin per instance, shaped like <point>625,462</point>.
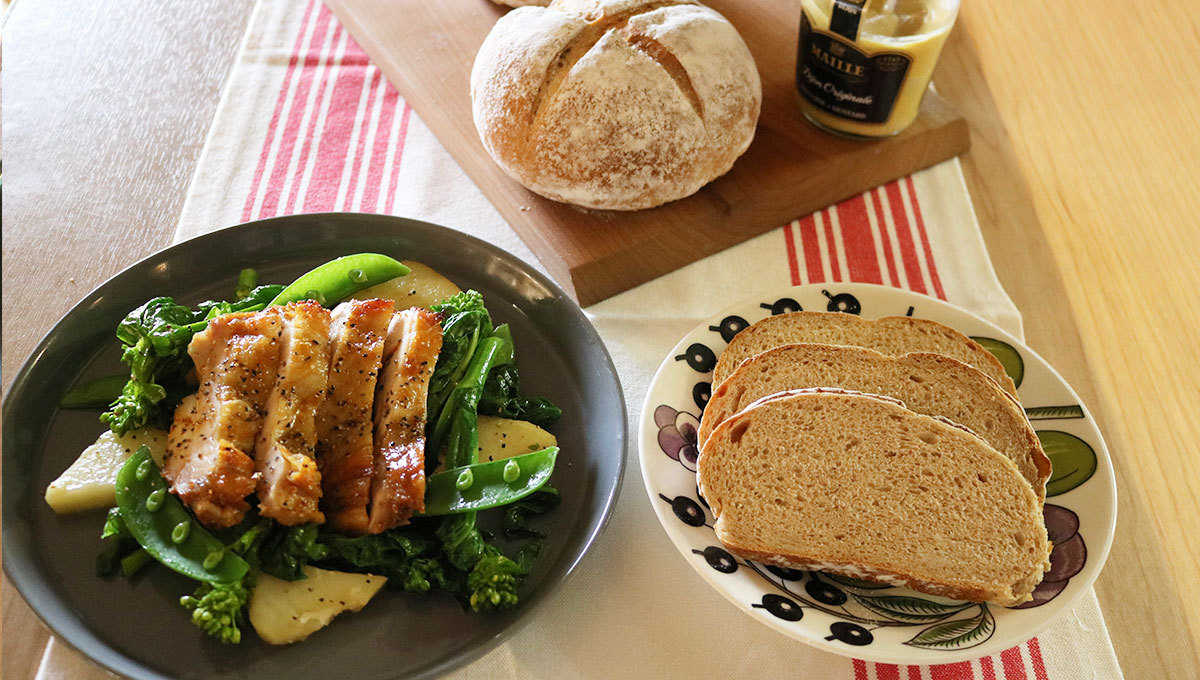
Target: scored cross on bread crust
<point>600,20</point>
<point>615,104</point>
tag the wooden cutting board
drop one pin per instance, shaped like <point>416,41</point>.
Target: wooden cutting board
<point>426,48</point>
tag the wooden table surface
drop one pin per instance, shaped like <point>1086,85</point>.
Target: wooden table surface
<point>1084,174</point>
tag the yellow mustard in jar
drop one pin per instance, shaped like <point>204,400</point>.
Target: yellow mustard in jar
<point>863,66</point>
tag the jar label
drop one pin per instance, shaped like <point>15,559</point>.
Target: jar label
<point>836,76</point>
<point>845,18</point>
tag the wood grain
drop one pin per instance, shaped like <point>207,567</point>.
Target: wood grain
<point>1083,165</point>
<point>426,50</point>
<point>106,106</point>
<point>1079,182</point>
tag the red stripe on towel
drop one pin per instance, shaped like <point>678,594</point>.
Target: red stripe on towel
<point>952,671</point>
<point>247,211</point>
<point>857,241</point>
<point>1035,655</point>
<point>789,242</point>
<point>912,194</point>
<point>334,148</point>
<point>378,159</point>
<point>360,154</point>
<point>904,238</point>
<point>312,135</point>
<point>835,270</point>
<point>1014,665</point>
<point>403,137</point>
<point>812,254</point>
<point>885,241</point>
<point>291,127</point>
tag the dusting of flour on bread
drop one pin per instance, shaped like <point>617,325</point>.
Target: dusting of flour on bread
<point>615,104</point>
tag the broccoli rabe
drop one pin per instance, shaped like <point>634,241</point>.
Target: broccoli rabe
<point>492,577</point>
<point>480,350</point>
<point>493,581</point>
<point>465,322</point>
<point>408,559</point>
<point>284,551</point>
<point>423,574</point>
<point>432,553</point>
<point>516,515</point>
<point>502,397</point>
<point>217,609</point>
<point>156,337</point>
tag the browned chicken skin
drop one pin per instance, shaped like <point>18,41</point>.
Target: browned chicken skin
<point>345,447</point>
<point>208,463</point>
<point>322,415</point>
<point>398,487</point>
<point>289,483</point>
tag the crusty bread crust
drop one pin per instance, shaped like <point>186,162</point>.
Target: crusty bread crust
<point>615,104</point>
<point>932,384</point>
<point>748,459</point>
<point>892,335</point>
<point>876,574</point>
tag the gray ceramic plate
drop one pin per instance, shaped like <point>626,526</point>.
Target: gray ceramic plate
<point>137,628</point>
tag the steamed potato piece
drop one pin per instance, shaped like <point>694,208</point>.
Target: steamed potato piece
<point>501,438</point>
<point>283,612</point>
<point>90,482</point>
<point>421,287</point>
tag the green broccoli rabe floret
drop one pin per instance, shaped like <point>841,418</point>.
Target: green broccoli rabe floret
<point>155,338</point>
<point>217,609</point>
<point>493,582</point>
<point>422,574</point>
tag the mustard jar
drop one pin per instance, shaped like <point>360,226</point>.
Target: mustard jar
<point>863,66</point>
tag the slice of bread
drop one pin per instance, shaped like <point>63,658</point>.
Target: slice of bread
<point>857,485</point>
<point>927,383</point>
<point>892,335</point>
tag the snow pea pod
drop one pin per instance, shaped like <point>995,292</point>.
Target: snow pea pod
<point>98,393</point>
<point>151,514</point>
<point>337,279</point>
<point>488,487</point>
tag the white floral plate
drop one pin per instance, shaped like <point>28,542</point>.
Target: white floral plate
<point>857,618</point>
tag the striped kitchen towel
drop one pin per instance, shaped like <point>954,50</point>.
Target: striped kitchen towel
<point>308,124</point>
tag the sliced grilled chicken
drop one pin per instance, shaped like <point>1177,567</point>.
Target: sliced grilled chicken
<point>398,487</point>
<point>208,463</point>
<point>345,446</point>
<point>289,483</point>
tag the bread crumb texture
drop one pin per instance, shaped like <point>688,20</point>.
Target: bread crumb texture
<point>861,486</point>
<point>927,383</point>
<point>615,104</point>
<point>891,335</point>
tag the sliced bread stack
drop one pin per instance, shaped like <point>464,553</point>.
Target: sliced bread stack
<point>861,486</point>
<point>889,450</point>
<point>932,384</point>
<point>893,335</point>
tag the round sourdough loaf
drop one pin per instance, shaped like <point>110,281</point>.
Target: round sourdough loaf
<point>615,104</point>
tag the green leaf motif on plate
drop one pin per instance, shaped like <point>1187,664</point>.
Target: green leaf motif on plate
<point>957,634</point>
<point>1073,461</point>
<point>1054,412</point>
<point>908,608</point>
<point>1009,357</point>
